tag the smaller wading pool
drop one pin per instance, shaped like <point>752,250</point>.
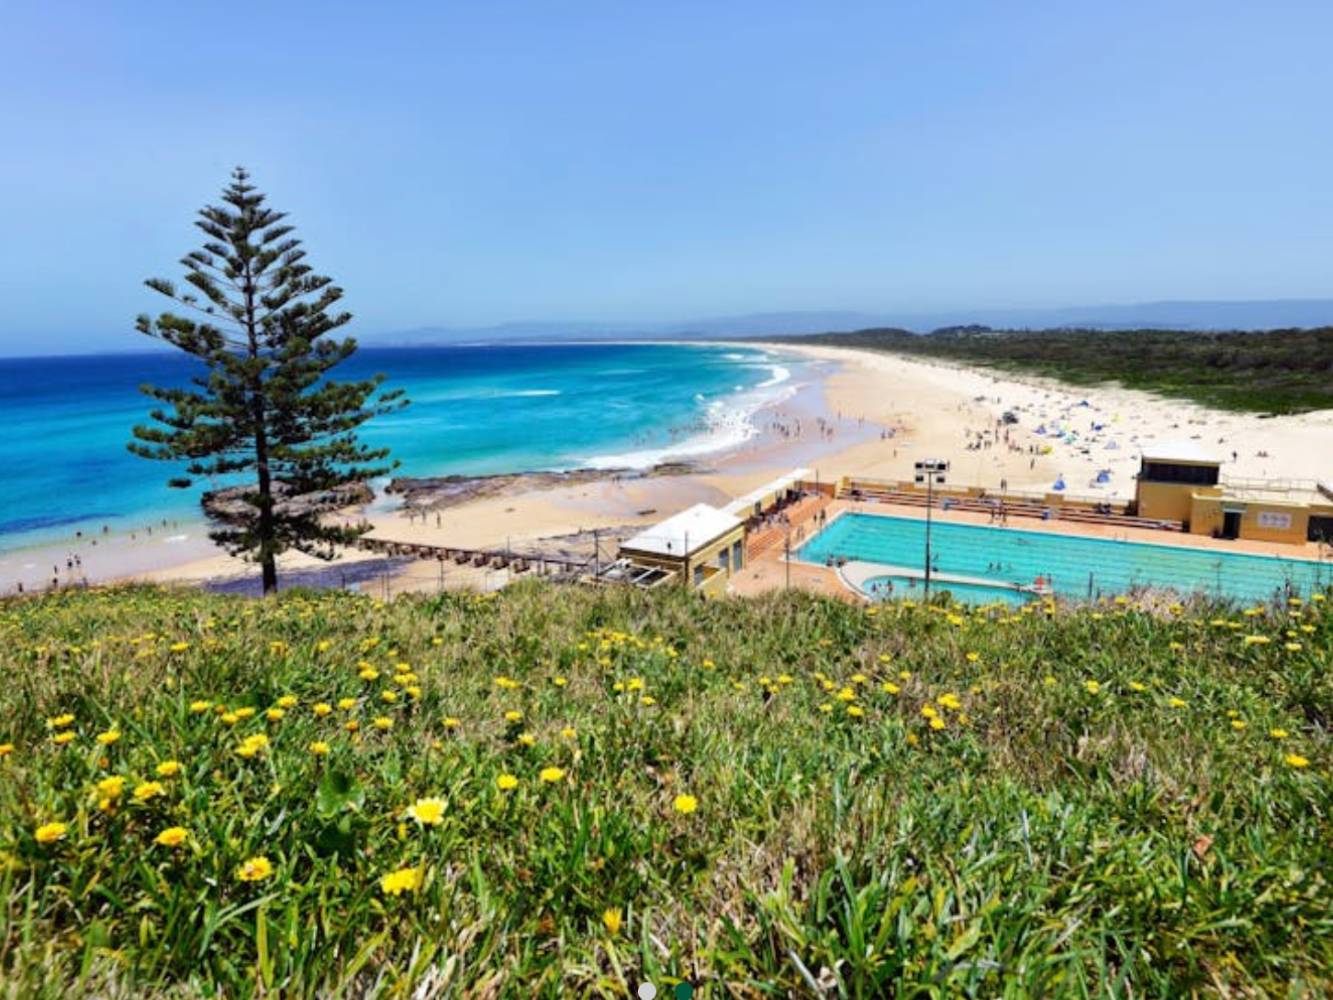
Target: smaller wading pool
<point>882,588</point>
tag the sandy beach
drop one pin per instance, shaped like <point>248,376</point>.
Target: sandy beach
<point>863,413</point>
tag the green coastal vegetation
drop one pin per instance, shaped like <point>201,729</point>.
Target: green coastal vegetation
<point>1276,371</point>
<point>564,791</point>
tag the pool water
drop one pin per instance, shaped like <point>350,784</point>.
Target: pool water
<point>1074,565</point>
<point>911,587</point>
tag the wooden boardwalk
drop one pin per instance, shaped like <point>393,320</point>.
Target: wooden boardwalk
<point>542,565</point>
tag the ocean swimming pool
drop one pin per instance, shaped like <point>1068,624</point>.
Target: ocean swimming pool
<point>1073,565</point>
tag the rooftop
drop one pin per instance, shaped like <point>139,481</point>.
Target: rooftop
<point>695,526</point>
<point>1179,451</point>
<point>742,505</point>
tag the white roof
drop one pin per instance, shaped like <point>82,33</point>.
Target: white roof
<point>1179,451</point>
<point>744,505</point>
<point>698,525</point>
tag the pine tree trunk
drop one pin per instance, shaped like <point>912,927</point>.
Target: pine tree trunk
<point>268,562</point>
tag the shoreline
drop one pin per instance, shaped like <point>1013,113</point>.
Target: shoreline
<point>850,411</point>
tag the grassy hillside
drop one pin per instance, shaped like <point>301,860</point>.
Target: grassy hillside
<point>558,792</point>
<point>1278,371</point>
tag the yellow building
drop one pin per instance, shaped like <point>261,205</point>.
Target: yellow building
<point>701,547</point>
<point>1183,482</point>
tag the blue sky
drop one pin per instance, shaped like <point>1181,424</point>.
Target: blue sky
<point>463,164</point>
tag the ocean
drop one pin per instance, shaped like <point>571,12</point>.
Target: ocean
<point>474,410</point>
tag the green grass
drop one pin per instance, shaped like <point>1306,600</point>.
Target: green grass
<point>1055,837</point>
<point>1276,371</point>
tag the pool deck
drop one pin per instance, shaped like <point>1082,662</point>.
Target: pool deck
<point>769,572</point>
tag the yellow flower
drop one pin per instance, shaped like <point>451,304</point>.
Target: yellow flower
<point>452,722</point>
<point>551,774</point>
<point>60,721</point>
<point>49,833</point>
<point>401,881</point>
<point>685,804</point>
<point>351,725</point>
<point>1296,760</point>
<point>244,713</point>
<point>347,704</point>
<point>611,920</point>
<point>287,701</point>
<point>888,687</point>
<point>427,812</point>
<point>826,707</point>
<point>319,748</point>
<point>937,723</point>
<point>6,749</point>
<point>1136,686</point>
<point>1278,734</point>
<point>168,769</point>
<point>846,694</point>
<point>1176,702</point>
<point>148,790</point>
<point>855,711</point>
<point>109,737</point>
<point>513,716</point>
<point>1238,724</point>
<point>252,745</point>
<point>179,647</point>
<point>60,739</point>
<point>388,697</point>
<point>569,733</point>
<point>559,681</point>
<point>1093,686</point>
<point>274,714</point>
<point>321,709</point>
<point>229,718</point>
<point>506,782</point>
<point>929,711</point>
<point>383,723</point>
<point>112,787</point>
<point>172,836</point>
<point>254,869</point>
<point>949,701</point>
<point>1256,640</point>
<point>526,739</point>
<point>369,674</point>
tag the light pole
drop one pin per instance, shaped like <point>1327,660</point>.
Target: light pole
<point>931,471</point>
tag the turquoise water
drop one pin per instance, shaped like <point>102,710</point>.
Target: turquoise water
<point>967,593</point>
<point>1069,562</point>
<point>475,410</point>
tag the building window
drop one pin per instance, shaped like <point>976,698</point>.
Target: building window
<point>698,575</point>
<point>724,561</point>
<point>737,556</point>
<point>1167,472</point>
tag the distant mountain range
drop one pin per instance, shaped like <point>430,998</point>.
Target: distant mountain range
<point>1169,315</point>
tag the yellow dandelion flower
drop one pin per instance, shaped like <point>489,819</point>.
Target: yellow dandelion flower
<point>347,704</point>
<point>513,716</point>
<point>369,674</point>
<point>1296,760</point>
<point>351,725</point>
<point>112,787</point>
<point>388,697</point>
<point>60,721</point>
<point>937,723</point>
<point>551,775</point>
<point>168,769</point>
<point>569,733</point>
<point>147,790</point>
<point>452,722</point>
<point>382,723</point>
<point>685,804</point>
<point>60,739</point>
<point>826,707</point>
<point>321,709</point>
<point>888,687</point>
<point>244,713</point>
<point>229,718</point>
<point>172,836</point>
<point>1093,687</point>
<point>1278,734</point>
<point>506,782</point>
<point>6,749</point>
<point>398,882</point>
<point>319,748</point>
<point>611,920</point>
<point>855,711</point>
<point>275,714</point>
<point>254,869</point>
<point>1177,702</point>
<point>49,833</point>
<point>1238,724</point>
<point>108,737</point>
<point>427,812</point>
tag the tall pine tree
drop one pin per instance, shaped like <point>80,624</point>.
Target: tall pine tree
<point>265,416</point>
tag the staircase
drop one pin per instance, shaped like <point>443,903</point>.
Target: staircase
<point>773,536</point>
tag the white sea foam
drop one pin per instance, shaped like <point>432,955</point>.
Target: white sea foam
<point>779,375</point>
<point>729,423</point>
